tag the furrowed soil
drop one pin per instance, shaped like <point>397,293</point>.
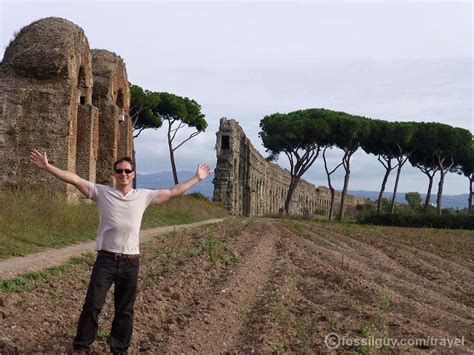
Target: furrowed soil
<point>267,285</point>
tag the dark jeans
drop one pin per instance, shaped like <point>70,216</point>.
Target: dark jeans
<point>106,270</point>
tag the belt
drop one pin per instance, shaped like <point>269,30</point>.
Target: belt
<point>117,256</point>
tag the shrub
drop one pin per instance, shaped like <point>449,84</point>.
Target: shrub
<point>449,221</point>
<point>320,212</point>
<point>198,196</point>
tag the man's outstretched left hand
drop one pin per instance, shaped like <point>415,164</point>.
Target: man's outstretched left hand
<point>203,171</point>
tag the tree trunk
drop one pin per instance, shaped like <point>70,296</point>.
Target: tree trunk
<point>331,205</point>
<point>346,163</point>
<point>170,147</point>
<point>395,188</point>
<point>384,182</point>
<point>431,174</point>
<point>289,195</point>
<point>344,192</point>
<point>443,170</point>
<point>440,192</point>
<point>469,201</point>
<point>173,166</point>
<point>135,165</point>
<point>428,194</point>
<point>333,191</point>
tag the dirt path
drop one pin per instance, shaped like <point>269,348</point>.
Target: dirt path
<point>12,267</point>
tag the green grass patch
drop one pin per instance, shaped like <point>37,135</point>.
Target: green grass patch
<point>453,248</point>
<point>31,280</point>
<point>371,328</point>
<point>280,317</point>
<point>304,332</point>
<point>103,335</point>
<point>216,251</point>
<point>34,220</point>
<point>181,210</point>
<point>297,228</point>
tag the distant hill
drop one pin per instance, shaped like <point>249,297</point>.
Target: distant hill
<point>164,180</point>
<point>449,201</point>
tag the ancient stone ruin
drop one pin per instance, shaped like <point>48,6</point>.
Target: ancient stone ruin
<point>111,95</point>
<point>249,185</point>
<point>58,96</point>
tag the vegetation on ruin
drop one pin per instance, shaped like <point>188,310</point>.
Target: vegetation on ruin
<point>31,221</point>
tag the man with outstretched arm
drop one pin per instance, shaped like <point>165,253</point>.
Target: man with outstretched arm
<point>121,210</point>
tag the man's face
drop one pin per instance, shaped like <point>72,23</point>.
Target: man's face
<point>124,174</point>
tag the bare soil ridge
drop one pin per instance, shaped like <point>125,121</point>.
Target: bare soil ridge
<point>223,311</point>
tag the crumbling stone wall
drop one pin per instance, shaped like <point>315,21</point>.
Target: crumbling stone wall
<point>46,102</point>
<point>111,96</point>
<point>44,73</point>
<point>249,185</point>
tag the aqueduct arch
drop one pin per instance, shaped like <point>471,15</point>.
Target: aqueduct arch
<point>53,99</point>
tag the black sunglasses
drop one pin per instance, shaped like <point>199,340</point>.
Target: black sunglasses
<point>120,171</point>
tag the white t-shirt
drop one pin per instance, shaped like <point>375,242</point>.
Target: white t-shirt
<point>120,217</point>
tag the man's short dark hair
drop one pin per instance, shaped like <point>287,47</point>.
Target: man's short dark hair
<point>123,159</point>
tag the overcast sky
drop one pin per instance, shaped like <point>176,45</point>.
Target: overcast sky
<point>392,60</point>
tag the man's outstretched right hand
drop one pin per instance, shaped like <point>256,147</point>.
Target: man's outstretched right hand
<point>38,159</point>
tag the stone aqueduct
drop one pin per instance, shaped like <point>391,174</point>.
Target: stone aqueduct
<point>59,96</point>
<point>250,185</point>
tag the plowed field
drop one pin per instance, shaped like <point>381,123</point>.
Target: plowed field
<point>264,285</point>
